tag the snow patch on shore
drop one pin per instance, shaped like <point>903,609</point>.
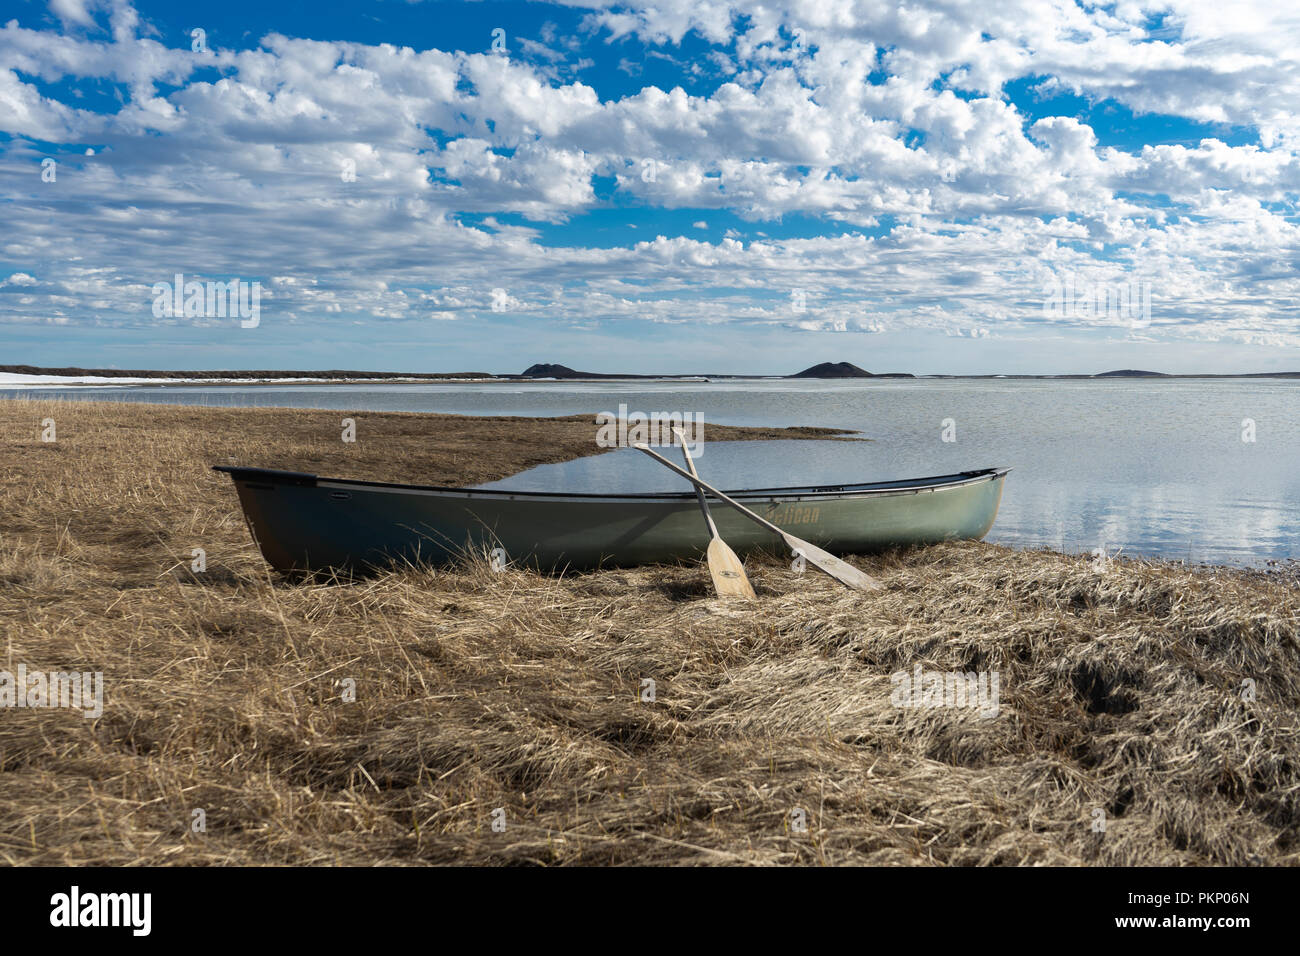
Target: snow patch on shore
<point>17,380</point>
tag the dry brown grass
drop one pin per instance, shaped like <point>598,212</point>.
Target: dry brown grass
<point>1119,688</point>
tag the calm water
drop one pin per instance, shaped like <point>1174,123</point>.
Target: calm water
<point>1153,468</point>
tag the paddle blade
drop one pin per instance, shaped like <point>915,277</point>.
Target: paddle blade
<point>841,571</point>
<point>729,578</point>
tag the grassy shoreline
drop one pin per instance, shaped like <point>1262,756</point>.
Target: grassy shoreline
<point>1120,687</point>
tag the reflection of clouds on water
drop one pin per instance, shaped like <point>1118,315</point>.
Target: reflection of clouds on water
<point>1179,521</point>
<point>726,465</point>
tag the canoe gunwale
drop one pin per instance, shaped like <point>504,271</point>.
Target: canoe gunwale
<point>910,486</point>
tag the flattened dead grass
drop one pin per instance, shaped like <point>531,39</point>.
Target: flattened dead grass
<point>1120,688</point>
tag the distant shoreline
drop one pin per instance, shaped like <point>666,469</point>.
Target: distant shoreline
<point>27,376</point>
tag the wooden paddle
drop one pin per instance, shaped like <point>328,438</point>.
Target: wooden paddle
<point>729,578</point>
<point>841,571</point>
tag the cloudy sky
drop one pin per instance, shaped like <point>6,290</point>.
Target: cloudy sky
<point>675,185</point>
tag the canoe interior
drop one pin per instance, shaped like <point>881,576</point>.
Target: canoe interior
<point>304,522</point>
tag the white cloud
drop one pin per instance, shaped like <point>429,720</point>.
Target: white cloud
<point>73,12</point>
<point>315,161</point>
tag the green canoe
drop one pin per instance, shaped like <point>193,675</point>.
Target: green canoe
<point>303,522</point>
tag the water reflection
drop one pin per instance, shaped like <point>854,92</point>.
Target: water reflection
<point>1152,467</point>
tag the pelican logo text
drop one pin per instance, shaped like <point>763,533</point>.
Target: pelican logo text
<point>792,514</point>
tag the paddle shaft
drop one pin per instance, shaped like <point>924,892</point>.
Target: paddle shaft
<point>690,463</point>
<point>840,570</point>
<point>702,486</point>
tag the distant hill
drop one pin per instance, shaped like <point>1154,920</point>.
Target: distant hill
<point>544,370</point>
<point>833,370</point>
<point>547,370</point>
<point>1130,373</point>
<point>845,370</point>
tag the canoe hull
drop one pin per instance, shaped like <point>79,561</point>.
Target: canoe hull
<point>303,522</point>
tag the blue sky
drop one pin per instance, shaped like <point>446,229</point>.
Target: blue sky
<point>712,185</point>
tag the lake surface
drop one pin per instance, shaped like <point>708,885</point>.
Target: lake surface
<point>1154,468</point>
